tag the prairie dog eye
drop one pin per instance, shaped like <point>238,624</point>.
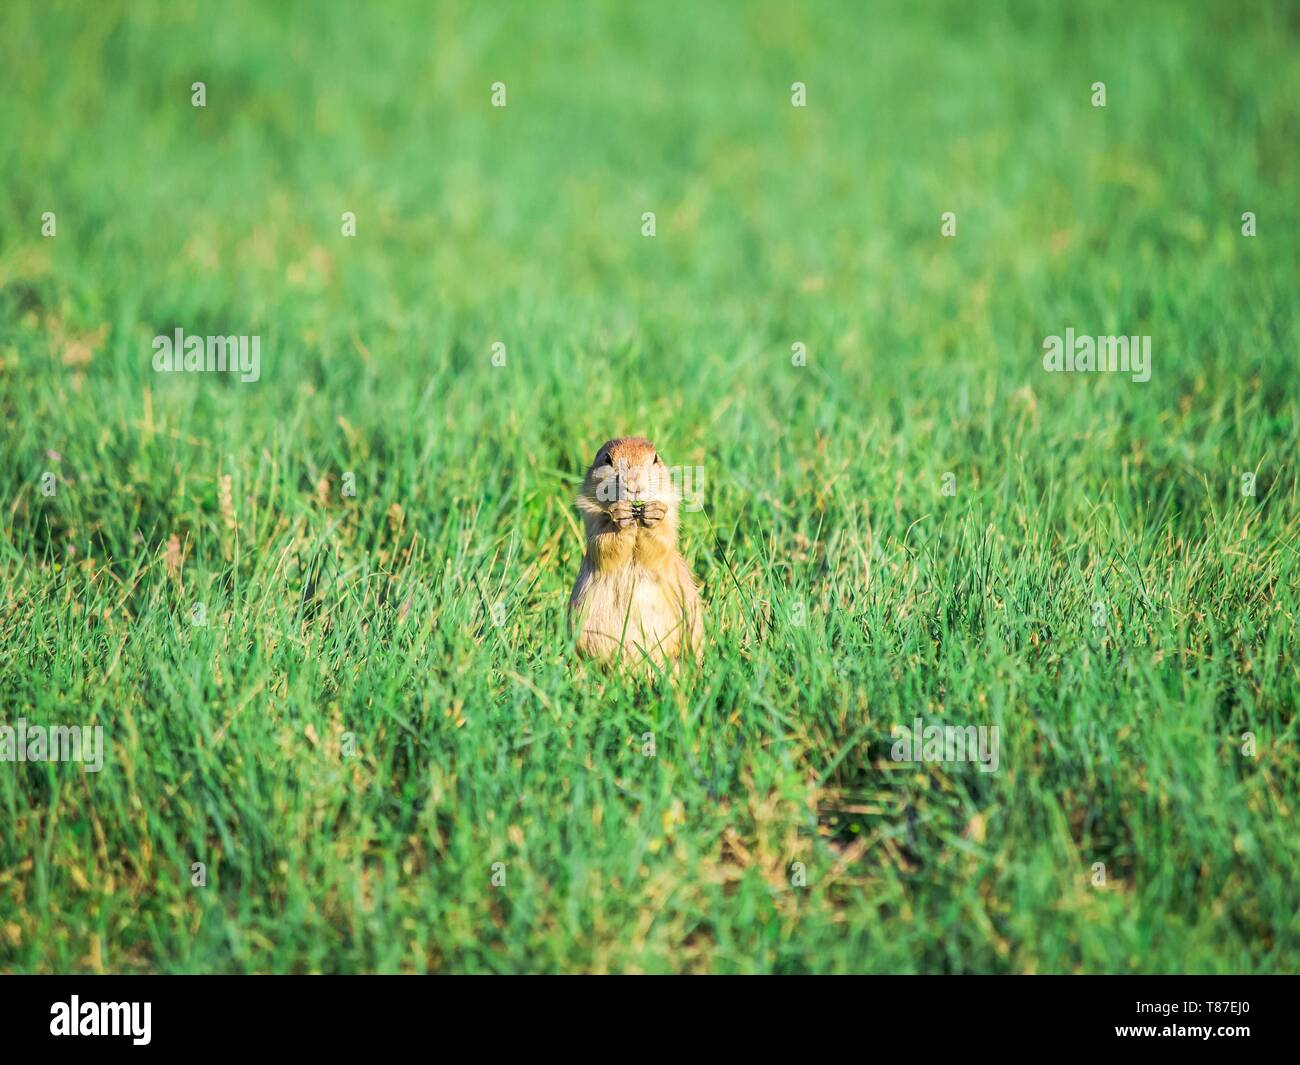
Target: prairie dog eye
<point>605,460</point>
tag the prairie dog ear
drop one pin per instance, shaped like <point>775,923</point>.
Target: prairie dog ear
<point>604,456</point>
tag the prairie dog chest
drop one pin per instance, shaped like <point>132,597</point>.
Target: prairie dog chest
<point>635,595</point>
<point>633,585</point>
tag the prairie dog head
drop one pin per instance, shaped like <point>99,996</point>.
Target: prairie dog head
<point>627,484</point>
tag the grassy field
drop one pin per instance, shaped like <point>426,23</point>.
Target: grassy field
<point>359,711</point>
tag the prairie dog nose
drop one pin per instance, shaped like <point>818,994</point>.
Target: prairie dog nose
<point>634,484</point>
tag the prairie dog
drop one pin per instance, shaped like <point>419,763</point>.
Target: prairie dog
<point>635,599</point>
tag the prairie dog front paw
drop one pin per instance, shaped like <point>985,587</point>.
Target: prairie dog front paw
<point>621,514</point>
<point>652,513</point>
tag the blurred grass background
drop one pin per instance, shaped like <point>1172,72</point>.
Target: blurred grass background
<point>846,594</point>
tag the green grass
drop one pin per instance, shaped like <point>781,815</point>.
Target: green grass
<point>845,592</point>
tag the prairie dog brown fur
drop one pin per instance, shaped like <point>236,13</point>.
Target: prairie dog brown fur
<point>635,599</point>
